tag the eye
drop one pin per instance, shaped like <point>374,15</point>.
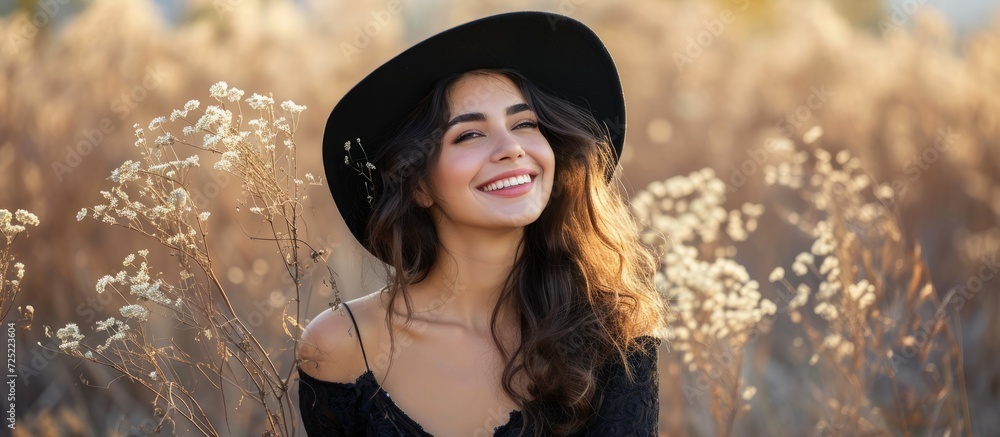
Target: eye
<point>526,124</point>
<point>466,135</point>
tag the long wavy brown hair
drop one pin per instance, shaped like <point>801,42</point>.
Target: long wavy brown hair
<point>582,287</point>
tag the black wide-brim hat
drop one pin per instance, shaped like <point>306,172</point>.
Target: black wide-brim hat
<point>559,54</point>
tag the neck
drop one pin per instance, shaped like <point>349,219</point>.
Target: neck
<point>463,286</point>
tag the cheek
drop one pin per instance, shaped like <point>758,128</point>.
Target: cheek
<point>547,160</point>
<point>453,171</point>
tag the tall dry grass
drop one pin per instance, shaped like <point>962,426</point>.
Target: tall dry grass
<point>253,141</point>
<point>887,330</point>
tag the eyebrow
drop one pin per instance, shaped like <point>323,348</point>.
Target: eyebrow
<point>478,116</point>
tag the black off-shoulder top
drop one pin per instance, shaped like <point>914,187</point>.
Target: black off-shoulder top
<point>363,408</point>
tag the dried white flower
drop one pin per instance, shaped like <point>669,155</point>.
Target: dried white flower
<point>103,283</point>
<point>82,214</point>
<point>165,140</point>
<point>777,274</point>
<point>177,113</point>
<point>281,124</point>
<point>827,290</point>
<point>800,269</point>
<point>884,192</point>
<point>218,90</point>
<point>801,296</point>
<point>210,141</point>
<point>291,107</point>
<point>103,325</point>
<point>70,337</point>
<point>843,156</point>
<point>234,94</point>
<point>157,123</point>
<point>135,312</point>
<point>866,300</point>
<point>767,307</point>
<point>223,165</point>
<point>812,134</point>
<point>26,217</point>
<point>257,101</point>
<point>178,198</point>
<point>826,311</point>
<point>829,263</point>
<point>823,246</point>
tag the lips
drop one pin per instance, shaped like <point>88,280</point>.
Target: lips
<point>508,179</point>
<point>507,183</point>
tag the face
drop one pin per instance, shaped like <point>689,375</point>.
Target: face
<point>495,169</point>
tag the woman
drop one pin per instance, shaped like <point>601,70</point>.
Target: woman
<point>479,166</point>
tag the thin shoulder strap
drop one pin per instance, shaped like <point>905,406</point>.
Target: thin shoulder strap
<point>359,334</point>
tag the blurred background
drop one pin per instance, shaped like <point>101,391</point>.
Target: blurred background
<point>706,83</point>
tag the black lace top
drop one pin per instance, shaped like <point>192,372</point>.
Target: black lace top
<point>363,408</point>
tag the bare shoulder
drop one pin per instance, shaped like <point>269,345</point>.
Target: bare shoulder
<point>329,349</point>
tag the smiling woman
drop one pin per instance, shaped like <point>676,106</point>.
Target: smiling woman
<point>530,304</point>
<point>494,168</point>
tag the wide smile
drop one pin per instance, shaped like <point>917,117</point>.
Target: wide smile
<point>510,185</point>
<point>507,183</point>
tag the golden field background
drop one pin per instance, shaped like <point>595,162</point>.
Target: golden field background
<point>707,85</point>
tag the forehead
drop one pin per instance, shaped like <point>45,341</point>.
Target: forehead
<point>478,89</point>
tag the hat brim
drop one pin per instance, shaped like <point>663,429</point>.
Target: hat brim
<point>559,54</point>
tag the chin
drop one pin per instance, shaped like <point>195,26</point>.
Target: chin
<point>522,220</point>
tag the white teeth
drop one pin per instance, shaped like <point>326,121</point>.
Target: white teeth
<point>509,182</point>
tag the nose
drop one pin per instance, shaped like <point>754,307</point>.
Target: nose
<point>507,148</point>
